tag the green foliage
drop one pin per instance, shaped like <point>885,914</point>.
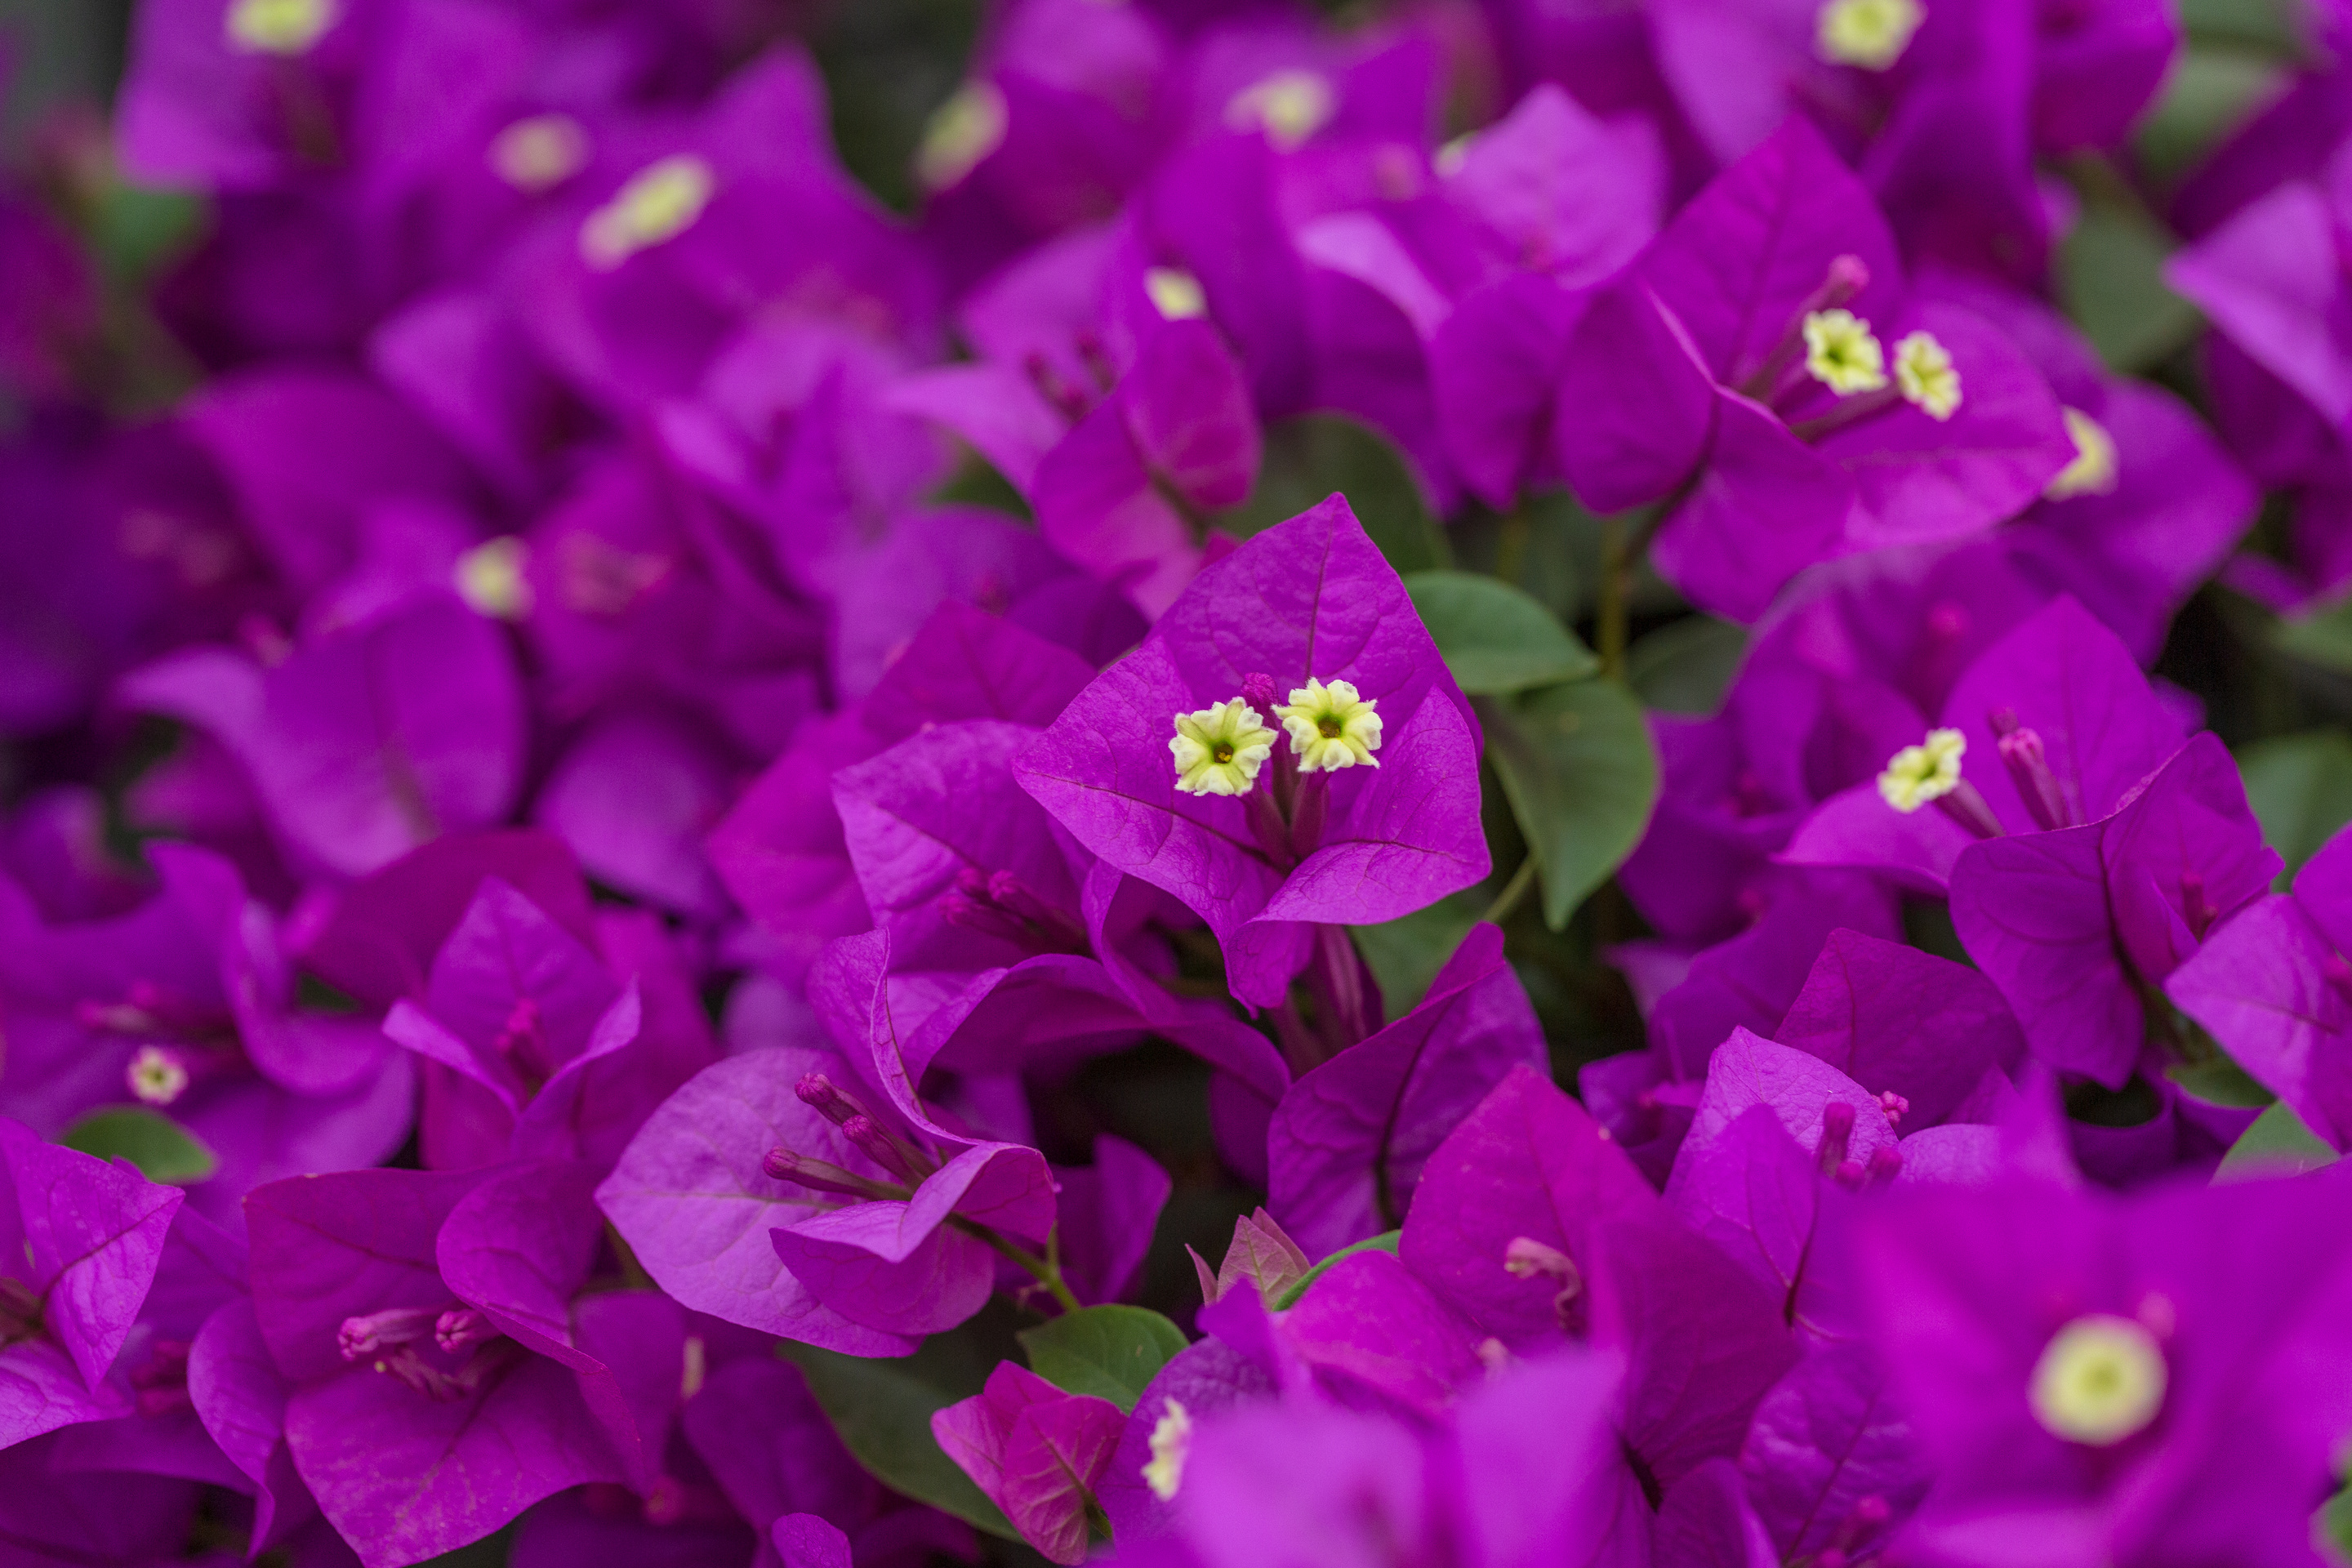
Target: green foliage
<point>1495,639</point>
<point>2279,1143</point>
<point>2218,1080</point>
<point>1309,458</point>
<point>1581,772</point>
<point>2110,274</point>
<point>1405,954</point>
<point>2323,637</point>
<point>162,1149</point>
<point>1686,666</point>
<point>2335,1523</point>
<point>135,229</point>
<point>2300,788</point>
<point>1112,1352</point>
<point>1384,1242</point>
<point>883,1410</point>
<point>2213,89</point>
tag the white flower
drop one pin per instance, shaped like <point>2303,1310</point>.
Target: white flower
<point>1330,727</point>
<point>1219,750</point>
<point>1917,774</point>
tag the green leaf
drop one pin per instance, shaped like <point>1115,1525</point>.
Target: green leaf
<point>1112,1352</point>
<point>1384,1242</point>
<point>2109,271</point>
<point>1406,953</point>
<point>162,1149</point>
<point>136,229</point>
<point>2300,788</point>
<point>2209,93</point>
<point>883,1409</point>
<point>1309,458</point>
<point>2218,1080</point>
<point>2323,637</point>
<point>2335,1524</point>
<point>1581,774</point>
<point>2279,1143</point>
<point>1686,665</point>
<point>1495,637</point>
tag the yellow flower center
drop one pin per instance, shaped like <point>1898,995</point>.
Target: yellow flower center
<point>1171,1440</point>
<point>660,202</point>
<point>1289,106</point>
<point>278,26</point>
<point>1219,750</point>
<point>2092,472</point>
<point>1917,774</point>
<point>961,131</point>
<point>1924,374</point>
<point>539,152</point>
<point>1175,293</point>
<point>2100,1380</point>
<point>1330,727</point>
<point>1871,34</point>
<point>1841,354</point>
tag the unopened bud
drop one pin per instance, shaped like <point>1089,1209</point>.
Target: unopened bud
<point>828,1099</point>
<point>2027,762</point>
<point>1837,1133</point>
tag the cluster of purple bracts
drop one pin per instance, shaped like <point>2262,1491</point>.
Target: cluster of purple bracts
<point>617,757</point>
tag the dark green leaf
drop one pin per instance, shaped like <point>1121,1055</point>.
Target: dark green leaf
<point>2279,1143</point>
<point>1406,954</point>
<point>1686,665</point>
<point>1384,1242</point>
<point>2300,788</point>
<point>2209,93</point>
<point>2218,1080</point>
<point>162,1149</point>
<point>136,229</point>
<point>1112,1352</point>
<point>2269,25</point>
<point>1309,458</point>
<point>2109,271</point>
<point>1581,774</point>
<point>2323,637</point>
<point>1495,637</point>
<point>883,1411</point>
<point>2335,1524</point>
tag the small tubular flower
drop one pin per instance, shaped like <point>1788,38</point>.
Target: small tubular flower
<point>1175,293</point>
<point>1841,354</point>
<point>2094,470</point>
<point>1924,374</point>
<point>156,1076</point>
<point>2100,1380</point>
<point>1871,34</point>
<point>961,131</point>
<point>1917,774</point>
<point>1219,750</point>
<point>539,152</point>
<point>1331,727</point>
<point>1171,1442</point>
<point>1289,106</point>
<point>660,202</point>
<point>279,27</point>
